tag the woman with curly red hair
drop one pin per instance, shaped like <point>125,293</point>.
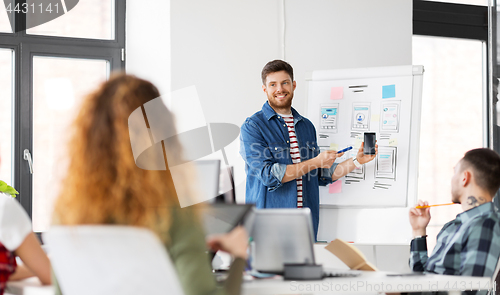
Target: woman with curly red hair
<point>105,186</point>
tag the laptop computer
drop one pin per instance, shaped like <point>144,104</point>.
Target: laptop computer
<point>285,236</point>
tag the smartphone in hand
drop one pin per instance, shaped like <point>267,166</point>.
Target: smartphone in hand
<point>370,139</point>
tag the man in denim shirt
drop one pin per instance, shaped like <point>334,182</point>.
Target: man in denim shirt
<point>283,164</point>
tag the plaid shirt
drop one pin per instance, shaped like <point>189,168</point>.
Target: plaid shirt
<point>467,246</point>
<point>7,266</point>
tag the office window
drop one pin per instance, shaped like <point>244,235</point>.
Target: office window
<point>89,19</point>
<point>452,117</point>
<point>4,21</point>
<point>50,74</point>
<point>6,115</point>
<point>59,87</point>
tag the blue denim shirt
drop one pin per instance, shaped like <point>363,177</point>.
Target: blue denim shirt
<point>265,148</point>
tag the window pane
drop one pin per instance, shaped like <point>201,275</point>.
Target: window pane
<point>4,19</point>
<point>6,125</point>
<point>88,19</point>
<point>60,84</point>
<point>451,121</point>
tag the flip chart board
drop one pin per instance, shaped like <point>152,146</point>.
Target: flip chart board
<point>343,104</point>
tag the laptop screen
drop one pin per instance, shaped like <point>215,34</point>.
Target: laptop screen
<point>282,236</point>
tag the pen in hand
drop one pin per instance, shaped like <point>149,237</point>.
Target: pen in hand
<point>428,206</point>
<point>345,150</point>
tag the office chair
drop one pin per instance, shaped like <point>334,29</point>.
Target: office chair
<point>102,260</point>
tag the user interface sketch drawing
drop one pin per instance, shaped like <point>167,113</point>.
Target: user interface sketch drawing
<point>385,162</point>
<point>357,174</point>
<point>389,116</point>
<point>341,121</point>
<point>329,113</point>
<point>360,116</point>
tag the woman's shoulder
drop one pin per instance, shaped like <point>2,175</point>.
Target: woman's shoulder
<point>15,223</point>
<point>10,206</point>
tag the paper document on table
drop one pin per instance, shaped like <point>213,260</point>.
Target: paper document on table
<point>350,255</point>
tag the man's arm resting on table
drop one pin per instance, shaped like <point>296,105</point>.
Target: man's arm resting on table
<point>418,254</point>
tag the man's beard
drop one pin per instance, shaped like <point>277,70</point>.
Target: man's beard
<point>282,105</point>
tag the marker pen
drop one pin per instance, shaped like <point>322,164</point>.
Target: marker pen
<point>345,150</point>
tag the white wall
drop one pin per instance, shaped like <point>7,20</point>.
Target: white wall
<point>148,41</point>
<point>220,46</point>
<point>339,34</point>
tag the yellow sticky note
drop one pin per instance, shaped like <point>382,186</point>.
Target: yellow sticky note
<point>358,142</point>
<point>393,142</point>
<point>375,118</point>
<point>334,147</point>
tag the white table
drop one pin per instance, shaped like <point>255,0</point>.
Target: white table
<point>31,286</point>
<point>367,283</point>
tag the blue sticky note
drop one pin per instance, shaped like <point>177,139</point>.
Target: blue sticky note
<point>388,91</point>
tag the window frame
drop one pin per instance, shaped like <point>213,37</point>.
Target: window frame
<point>463,21</point>
<point>25,47</point>
<point>467,21</point>
<point>450,20</point>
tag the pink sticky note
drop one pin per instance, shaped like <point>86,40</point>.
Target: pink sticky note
<point>335,188</point>
<point>337,93</point>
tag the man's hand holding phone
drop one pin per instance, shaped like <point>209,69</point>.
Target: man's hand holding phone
<point>368,149</point>
<point>364,158</point>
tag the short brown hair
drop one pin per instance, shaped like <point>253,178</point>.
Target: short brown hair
<point>485,164</point>
<point>274,66</point>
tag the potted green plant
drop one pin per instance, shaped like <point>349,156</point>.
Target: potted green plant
<point>7,189</point>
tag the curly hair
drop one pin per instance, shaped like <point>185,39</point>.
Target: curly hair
<point>103,184</point>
